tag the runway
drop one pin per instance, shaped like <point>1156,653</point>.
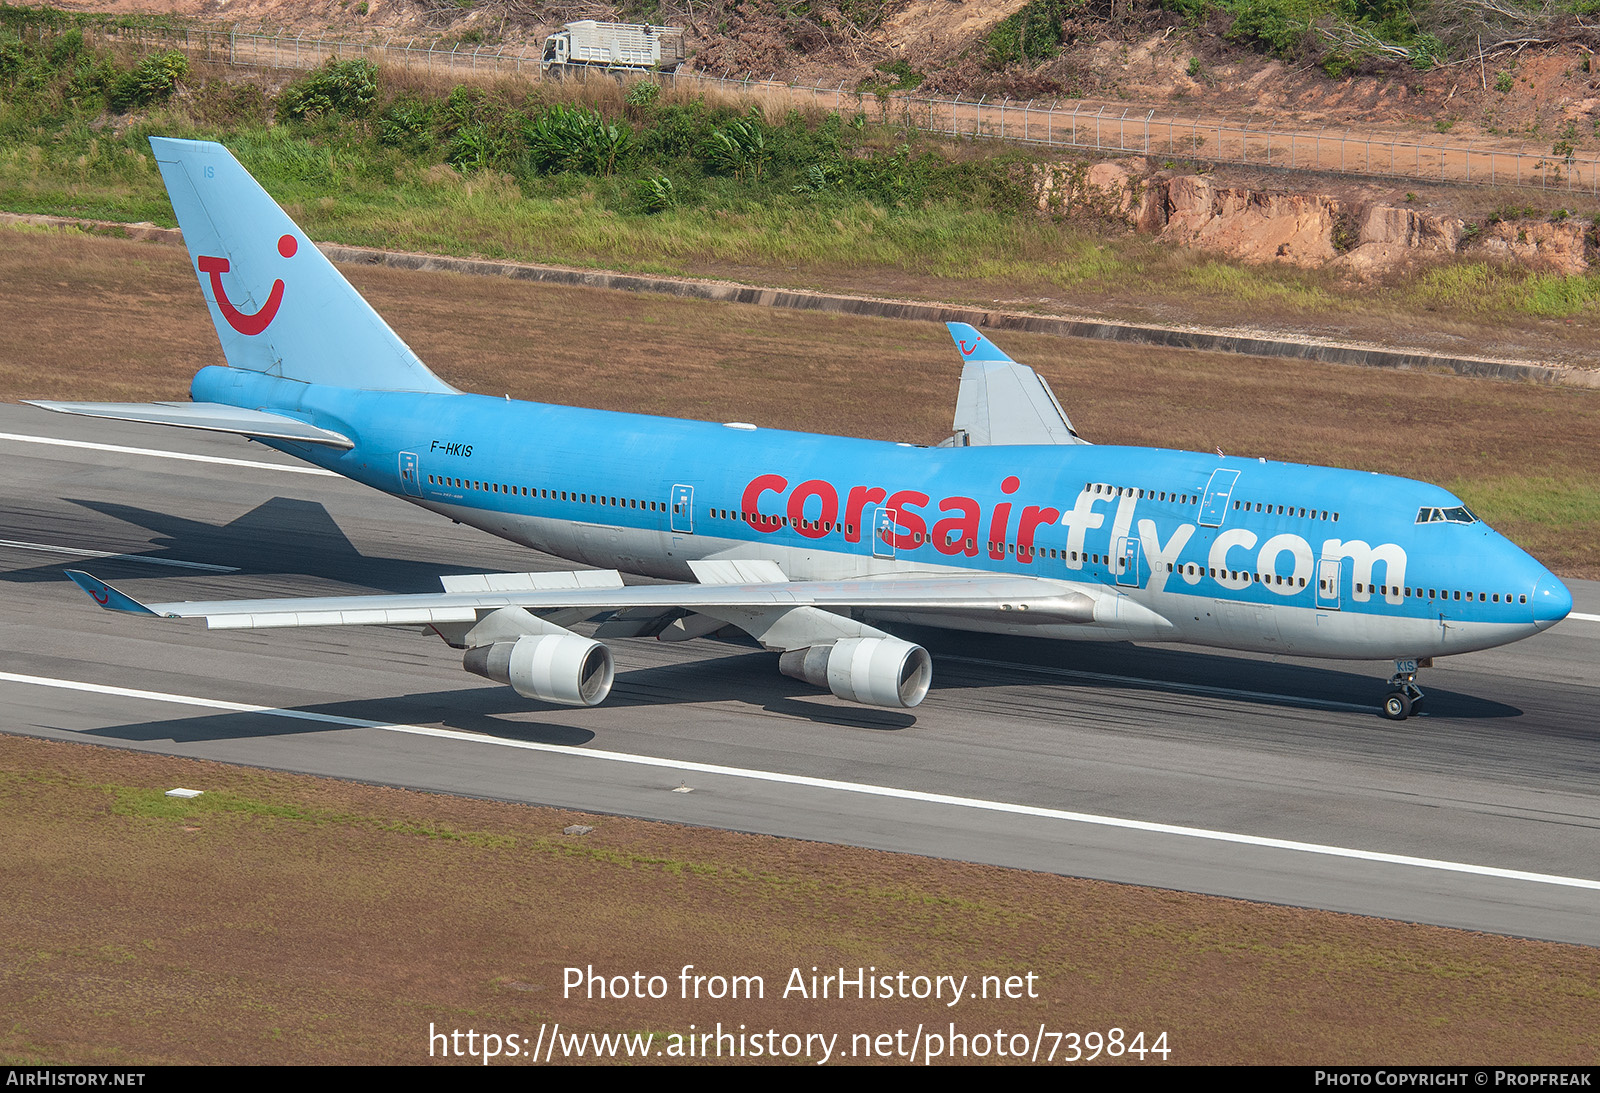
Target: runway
<point>1253,777</point>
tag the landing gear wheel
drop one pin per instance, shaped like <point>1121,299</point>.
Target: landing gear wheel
<point>1404,697</point>
<point>1397,706</point>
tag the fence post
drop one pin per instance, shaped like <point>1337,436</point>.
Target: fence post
<point>977,125</point>
<point>1003,116</point>
<point>1147,118</point>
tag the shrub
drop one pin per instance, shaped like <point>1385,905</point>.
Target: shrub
<point>657,194</point>
<point>642,94</point>
<point>152,80</point>
<point>1426,52</point>
<point>1032,34</point>
<point>740,149</point>
<point>476,146</point>
<point>1279,25</point>
<point>574,138</point>
<point>349,88</point>
<point>407,124</point>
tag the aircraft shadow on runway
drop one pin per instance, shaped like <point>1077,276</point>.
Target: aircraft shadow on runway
<point>1258,682</point>
<point>500,712</point>
<point>284,535</point>
<point>750,679</point>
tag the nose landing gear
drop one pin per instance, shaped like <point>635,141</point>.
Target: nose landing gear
<point>1404,697</point>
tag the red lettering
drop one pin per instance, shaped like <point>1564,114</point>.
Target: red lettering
<point>1033,517</point>
<point>813,529</point>
<point>958,534</point>
<point>751,501</point>
<point>997,530</point>
<point>860,497</point>
<point>912,527</point>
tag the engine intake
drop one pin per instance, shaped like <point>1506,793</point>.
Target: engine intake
<point>565,668</point>
<point>874,671</point>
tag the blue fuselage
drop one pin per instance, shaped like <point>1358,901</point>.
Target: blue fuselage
<point>1241,553</point>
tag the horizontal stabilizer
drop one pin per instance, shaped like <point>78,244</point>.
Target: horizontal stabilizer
<point>214,417</point>
<point>1001,401</point>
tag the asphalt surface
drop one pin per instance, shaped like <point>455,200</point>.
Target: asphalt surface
<point>1254,777</point>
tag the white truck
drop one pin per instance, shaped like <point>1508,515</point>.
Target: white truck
<point>612,46</point>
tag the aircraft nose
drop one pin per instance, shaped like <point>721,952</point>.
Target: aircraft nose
<point>1551,602</point>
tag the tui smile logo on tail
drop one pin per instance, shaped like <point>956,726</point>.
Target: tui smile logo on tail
<point>254,323</point>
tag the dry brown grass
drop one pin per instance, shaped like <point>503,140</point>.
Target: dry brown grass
<point>100,318</point>
<point>289,919</point>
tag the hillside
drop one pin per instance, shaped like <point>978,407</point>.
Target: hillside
<point>1211,61</point>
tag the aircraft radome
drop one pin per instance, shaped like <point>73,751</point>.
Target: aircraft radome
<point>816,546</point>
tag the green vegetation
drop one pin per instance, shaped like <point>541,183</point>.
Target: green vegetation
<point>625,177</point>
<point>622,177</point>
<point>1030,35</point>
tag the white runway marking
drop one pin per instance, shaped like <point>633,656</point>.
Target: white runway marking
<point>822,783</point>
<point>45,548</point>
<point>1584,618</point>
<point>157,454</point>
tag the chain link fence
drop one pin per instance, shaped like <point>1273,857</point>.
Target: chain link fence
<point>1114,128</point>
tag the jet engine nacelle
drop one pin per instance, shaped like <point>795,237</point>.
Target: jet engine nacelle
<point>565,668</point>
<point>874,671</point>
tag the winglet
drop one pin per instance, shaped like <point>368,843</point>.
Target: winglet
<point>974,346</point>
<point>106,596</point>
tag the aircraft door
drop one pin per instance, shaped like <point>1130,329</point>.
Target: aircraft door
<point>1130,563</point>
<point>1219,491</point>
<point>683,509</point>
<point>1328,584</point>
<point>884,527</point>
<point>409,478</point>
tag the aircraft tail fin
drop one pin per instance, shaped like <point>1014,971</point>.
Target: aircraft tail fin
<point>280,307</point>
<point>1001,401</point>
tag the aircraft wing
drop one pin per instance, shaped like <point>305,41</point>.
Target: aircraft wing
<point>1020,599</point>
<point>1001,401</point>
<point>213,417</point>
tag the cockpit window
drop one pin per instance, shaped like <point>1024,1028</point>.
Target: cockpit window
<point>1460,514</point>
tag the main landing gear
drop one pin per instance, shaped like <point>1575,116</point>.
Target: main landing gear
<point>1404,697</point>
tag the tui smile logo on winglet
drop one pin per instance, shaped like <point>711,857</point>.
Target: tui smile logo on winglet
<point>250,324</point>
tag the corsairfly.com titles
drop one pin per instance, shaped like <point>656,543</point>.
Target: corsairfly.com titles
<point>817,985</point>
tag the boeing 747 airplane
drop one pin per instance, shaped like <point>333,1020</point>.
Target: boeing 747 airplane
<point>816,546</point>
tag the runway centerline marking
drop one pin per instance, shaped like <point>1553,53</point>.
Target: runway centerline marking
<point>156,453</point>
<point>46,548</point>
<point>861,788</point>
<point>1584,618</point>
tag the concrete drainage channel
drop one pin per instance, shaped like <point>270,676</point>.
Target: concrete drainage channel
<point>1221,341</point>
<point>800,300</point>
